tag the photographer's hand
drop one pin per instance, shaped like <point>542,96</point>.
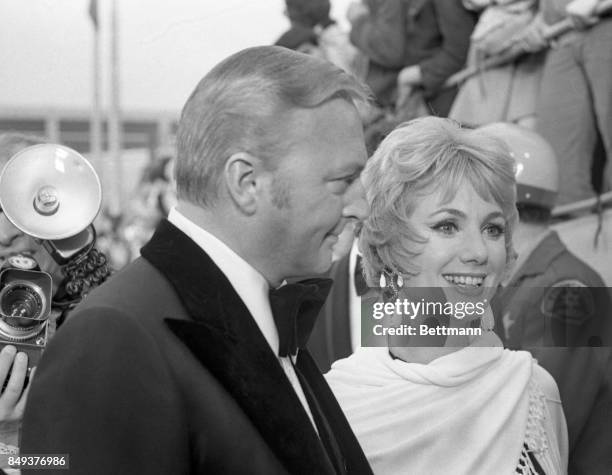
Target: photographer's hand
<point>13,397</point>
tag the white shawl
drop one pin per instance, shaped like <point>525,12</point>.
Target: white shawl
<point>463,413</point>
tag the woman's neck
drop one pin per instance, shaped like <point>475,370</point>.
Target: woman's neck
<point>420,354</point>
<point>417,350</point>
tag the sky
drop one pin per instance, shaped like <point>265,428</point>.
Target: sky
<point>166,46</point>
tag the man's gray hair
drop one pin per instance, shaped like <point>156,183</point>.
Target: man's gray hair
<point>243,105</point>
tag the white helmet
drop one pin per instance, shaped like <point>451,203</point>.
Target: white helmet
<point>537,173</point>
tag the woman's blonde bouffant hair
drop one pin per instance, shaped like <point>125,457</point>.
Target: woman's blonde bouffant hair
<point>419,158</point>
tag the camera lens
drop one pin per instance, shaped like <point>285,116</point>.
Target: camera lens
<point>22,299</point>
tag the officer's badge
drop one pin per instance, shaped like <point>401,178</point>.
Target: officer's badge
<point>569,300</point>
<point>508,321</point>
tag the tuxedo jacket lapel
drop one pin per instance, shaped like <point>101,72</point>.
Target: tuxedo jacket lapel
<point>354,459</point>
<point>224,337</point>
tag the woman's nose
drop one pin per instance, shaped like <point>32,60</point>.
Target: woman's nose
<point>474,249</point>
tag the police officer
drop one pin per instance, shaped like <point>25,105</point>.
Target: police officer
<point>557,307</point>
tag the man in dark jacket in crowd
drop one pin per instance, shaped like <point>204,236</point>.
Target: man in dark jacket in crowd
<point>429,38</point>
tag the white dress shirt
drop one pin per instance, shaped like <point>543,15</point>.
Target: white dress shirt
<point>354,300</point>
<point>249,284</point>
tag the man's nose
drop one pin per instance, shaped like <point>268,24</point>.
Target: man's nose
<point>356,206</point>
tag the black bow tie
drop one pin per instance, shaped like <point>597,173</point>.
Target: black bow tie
<point>295,308</point>
<point>361,286</point>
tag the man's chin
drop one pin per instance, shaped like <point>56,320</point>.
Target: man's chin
<point>324,268</point>
<point>314,268</point>
<point>326,258</point>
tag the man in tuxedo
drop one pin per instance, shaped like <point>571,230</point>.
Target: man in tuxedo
<point>189,360</point>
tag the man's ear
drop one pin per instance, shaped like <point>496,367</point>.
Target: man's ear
<point>242,175</point>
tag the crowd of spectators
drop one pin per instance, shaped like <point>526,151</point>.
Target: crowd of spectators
<point>475,61</point>
<point>542,64</point>
<point>122,236</point>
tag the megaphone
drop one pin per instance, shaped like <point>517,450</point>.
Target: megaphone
<point>52,193</point>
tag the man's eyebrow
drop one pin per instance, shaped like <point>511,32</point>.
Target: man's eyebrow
<point>358,169</point>
<point>349,170</point>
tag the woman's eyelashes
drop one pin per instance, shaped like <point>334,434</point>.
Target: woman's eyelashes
<point>495,230</point>
<point>449,227</point>
<point>446,226</point>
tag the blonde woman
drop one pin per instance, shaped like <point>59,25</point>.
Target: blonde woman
<point>442,216</point>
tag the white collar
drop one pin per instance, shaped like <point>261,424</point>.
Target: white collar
<point>354,253</point>
<point>248,283</point>
<point>354,308</point>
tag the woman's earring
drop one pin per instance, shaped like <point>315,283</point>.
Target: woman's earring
<point>391,283</point>
<point>387,285</point>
